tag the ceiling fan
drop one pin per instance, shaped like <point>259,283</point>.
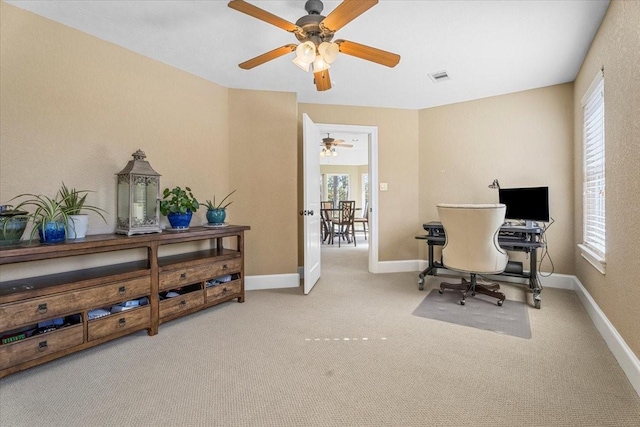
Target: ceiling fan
<point>315,32</point>
<point>329,145</point>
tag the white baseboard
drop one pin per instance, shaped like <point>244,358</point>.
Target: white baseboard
<point>399,266</point>
<point>271,281</point>
<point>561,281</point>
<point>627,360</point>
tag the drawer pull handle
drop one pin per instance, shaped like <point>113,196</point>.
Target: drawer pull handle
<point>42,308</point>
<point>121,322</point>
<point>122,290</point>
<point>224,266</point>
<point>183,276</point>
<point>42,346</point>
<point>183,303</point>
<point>224,291</point>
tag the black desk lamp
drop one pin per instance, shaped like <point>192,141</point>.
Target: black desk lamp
<point>495,184</point>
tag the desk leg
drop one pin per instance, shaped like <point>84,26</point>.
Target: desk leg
<point>429,271</point>
<point>534,283</point>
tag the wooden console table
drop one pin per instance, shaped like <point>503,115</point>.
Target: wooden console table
<point>173,286</point>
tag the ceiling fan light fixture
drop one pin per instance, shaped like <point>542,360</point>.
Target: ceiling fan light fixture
<point>329,51</point>
<point>319,64</point>
<point>304,66</point>
<point>334,152</point>
<point>306,51</point>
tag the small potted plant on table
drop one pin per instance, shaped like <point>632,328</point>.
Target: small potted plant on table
<point>178,206</point>
<point>49,217</point>
<point>74,202</point>
<point>12,225</point>
<point>216,213</point>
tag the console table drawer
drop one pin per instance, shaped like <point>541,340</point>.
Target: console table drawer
<point>35,310</point>
<point>185,276</point>
<point>223,290</point>
<point>40,345</point>
<point>181,303</point>
<point>116,292</point>
<point>119,322</point>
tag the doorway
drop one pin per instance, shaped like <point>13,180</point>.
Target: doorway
<point>363,173</point>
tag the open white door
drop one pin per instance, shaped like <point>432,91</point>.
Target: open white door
<point>311,209</point>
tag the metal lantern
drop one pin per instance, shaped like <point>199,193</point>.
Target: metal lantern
<point>138,196</point>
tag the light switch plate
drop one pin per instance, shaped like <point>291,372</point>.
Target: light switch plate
<point>383,186</point>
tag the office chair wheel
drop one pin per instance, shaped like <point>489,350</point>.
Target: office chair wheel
<point>500,303</point>
<point>440,291</point>
<point>462,301</point>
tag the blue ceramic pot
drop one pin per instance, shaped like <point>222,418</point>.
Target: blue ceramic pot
<point>216,216</point>
<point>52,232</point>
<point>180,220</point>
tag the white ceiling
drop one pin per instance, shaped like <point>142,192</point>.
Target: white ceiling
<point>487,47</point>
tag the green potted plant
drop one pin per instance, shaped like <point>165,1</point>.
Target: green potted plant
<point>74,203</point>
<point>216,212</point>
<point>178,206</point>
<point>12,225</point>
<point>49,217</point>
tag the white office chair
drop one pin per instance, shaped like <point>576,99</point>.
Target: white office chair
<point>471,246</point>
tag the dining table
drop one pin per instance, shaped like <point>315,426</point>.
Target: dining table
<point>333,213</point>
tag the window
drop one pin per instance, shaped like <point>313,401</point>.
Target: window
<point>337,188</point>
<point>365,190</point>
<point>593,191</point>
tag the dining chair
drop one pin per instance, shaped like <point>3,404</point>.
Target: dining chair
<point>326,216</point>
<point>344,222</point>
<point>364,219</point>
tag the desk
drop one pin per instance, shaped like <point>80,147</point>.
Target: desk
<point>511,238</point>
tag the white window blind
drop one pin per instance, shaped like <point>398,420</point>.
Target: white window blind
<point>594,169</point>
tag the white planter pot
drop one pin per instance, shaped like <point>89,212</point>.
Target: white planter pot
<point>77,226</point>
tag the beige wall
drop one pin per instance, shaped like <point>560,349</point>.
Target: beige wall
<point>74,108</point>
<point>523,139</point>
<point>397,166</point>
<point>617,48</point>
<point>263,158</point>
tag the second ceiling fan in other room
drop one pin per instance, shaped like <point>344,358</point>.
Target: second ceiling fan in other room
<point>315,32</point>
<point>329,146</point>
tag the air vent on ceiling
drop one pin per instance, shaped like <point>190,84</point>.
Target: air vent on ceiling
<point>439,76</point>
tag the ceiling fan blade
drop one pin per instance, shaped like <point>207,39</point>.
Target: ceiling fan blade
<point>263,15</point>
<point>265,57</point>
<point>322,80</point>
<point>369,53</point>
<point>346,145</point>
<point>346,12</point>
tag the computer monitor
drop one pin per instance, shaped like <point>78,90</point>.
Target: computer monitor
<point>529,204</point>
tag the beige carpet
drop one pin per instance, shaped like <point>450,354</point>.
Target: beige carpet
<point>349,354</point>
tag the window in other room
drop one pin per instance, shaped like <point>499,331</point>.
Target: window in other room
<point>337,188</point>
<point>365,190</point>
